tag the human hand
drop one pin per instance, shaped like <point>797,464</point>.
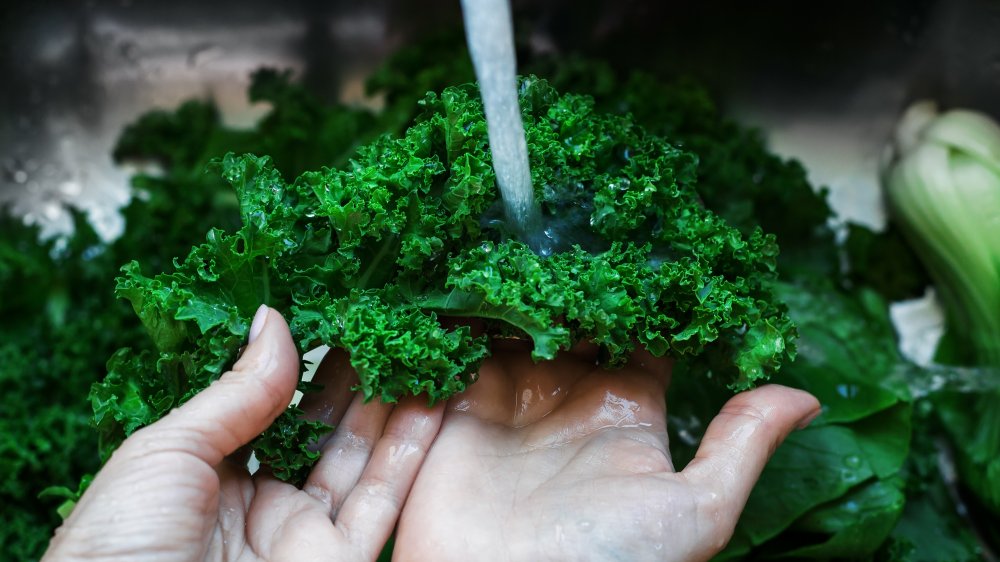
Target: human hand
<point>175,491</point>
<point>563,460</point>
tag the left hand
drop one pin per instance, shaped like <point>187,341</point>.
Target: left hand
<point>172,491</point>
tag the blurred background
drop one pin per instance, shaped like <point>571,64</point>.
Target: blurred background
<point>825,81</point>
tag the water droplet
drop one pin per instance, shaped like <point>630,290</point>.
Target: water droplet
<point>20,176</point>
<point>847,390</point>
<point>92,252</point>
<point>848,475</point>
<point>70,188</point>
<point>852,461</point>
<point>51,211</point>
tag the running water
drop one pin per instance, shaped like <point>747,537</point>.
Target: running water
<point>490,37</point>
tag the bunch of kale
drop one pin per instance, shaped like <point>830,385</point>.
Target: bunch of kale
<point>376,257</point>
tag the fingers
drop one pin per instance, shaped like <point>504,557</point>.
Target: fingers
<point>741,439</point>
<point>237,407</point>
<point>363,478</point>
<point>371,510</point>
<point>346,452</point>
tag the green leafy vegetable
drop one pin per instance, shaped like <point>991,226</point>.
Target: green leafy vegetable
<point>369,258</point>
<point>884,262</point>
<point>58,322</point>
<point>61,318</point>
<point>944,191</point>
<point>846,467</point>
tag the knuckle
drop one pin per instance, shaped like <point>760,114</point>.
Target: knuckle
<point>747,412</point>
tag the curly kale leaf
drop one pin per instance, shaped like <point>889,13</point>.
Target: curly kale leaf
<point>175,207</point>
<point>288,448</point>
<point>848,465</point>
<point>738,177</point>
<point>378,257</point>
<point>396,348</point>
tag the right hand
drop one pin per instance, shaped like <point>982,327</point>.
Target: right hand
<point>564,460</point>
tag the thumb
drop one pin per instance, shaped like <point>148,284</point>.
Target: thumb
<point>239,405</point>
<point>741,439</point>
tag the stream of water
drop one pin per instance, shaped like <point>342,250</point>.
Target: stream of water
<point>490,37</point>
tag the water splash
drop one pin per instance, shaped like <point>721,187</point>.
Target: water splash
<point>490,37</point>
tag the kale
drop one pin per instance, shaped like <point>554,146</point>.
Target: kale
<point>373,256</point>
<point>738,177</point>
<point>62,320</point>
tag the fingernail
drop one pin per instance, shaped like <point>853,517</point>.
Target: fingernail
<point>808,419</point>
<point>259,319</point>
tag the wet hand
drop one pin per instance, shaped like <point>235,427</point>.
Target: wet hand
<point>563,460</point>
<point>175,490</point>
